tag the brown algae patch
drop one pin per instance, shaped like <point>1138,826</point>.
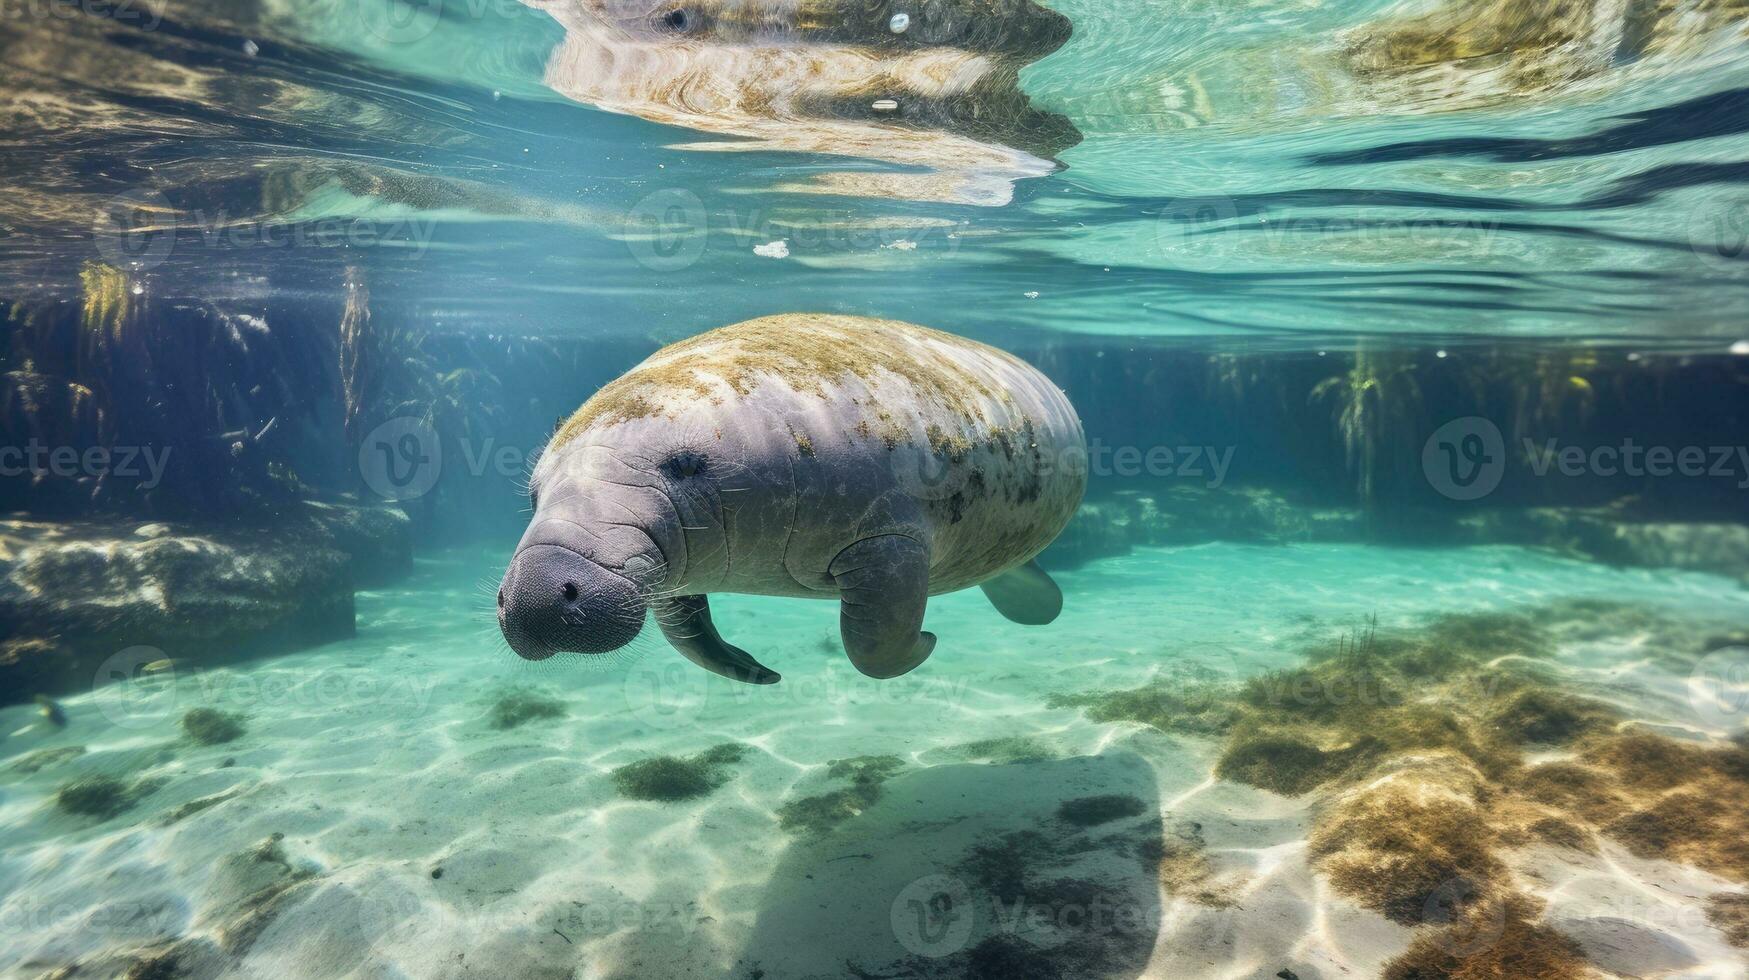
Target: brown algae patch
<point>516,708</point>
<point>805,351</point>
<point>1493,939</point>
<point>210,726</point>
<point>1091,811</point>
<point>1416,740</point>
<point>1407,847</point>
<point>1181,863</point>
<point>821,812</point>
<point>669,779</point>
<point>1006,750</point>
<point>1476,51</point>
<point>103,796</point>
<point>33,762</point>
<point>1729,914</point>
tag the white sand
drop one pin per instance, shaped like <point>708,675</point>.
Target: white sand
<point>374,760</point>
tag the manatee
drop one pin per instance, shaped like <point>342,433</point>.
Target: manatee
<point>921,83</point>
<point>867,461</point>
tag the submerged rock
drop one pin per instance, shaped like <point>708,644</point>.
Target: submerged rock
<point>1111,525</point>
<point>1186,515</point>
<point>79,595</point>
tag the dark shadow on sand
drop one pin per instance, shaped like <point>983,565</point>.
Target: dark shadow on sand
<point>1032,869</point>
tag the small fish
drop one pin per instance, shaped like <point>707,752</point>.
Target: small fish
<point>159,666</point>
<point>51,711</point>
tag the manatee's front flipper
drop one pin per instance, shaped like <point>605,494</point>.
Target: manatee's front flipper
<point>883,584</point>
<point>1025,595</point>
<point>686,622</point>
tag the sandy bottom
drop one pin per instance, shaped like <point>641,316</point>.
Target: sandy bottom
<point>387,812</point>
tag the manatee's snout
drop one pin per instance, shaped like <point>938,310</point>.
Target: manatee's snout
<point>553,600</point>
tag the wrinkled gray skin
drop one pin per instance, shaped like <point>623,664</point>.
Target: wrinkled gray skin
<point>787,492</point>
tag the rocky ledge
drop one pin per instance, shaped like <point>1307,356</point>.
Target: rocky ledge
<point>74,597</point>
<point>1113,524</point>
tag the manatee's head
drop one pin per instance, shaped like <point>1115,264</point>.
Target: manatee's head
<point>556,600</point>
<point>580,576</point>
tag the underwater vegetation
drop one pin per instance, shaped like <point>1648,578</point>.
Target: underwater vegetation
<point>210,726</point>
<point>1417,741</point>
<point>821,812</point>
<point>1006,749</point>
<point>198,805</point>
<point>520,707</point>
<point>1090,811</point>
<point>34,762</point>
<point>1181,863</point>
<point>1730,913</point>
<point>103,796</point>
<point>1476,52</point>
<point>669,779</point>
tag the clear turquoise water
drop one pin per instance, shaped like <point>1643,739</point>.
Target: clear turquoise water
<point>1240,177</point>
<point>376,760</point>
<point>1567,220</point>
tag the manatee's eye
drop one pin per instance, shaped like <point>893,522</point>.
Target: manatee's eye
<point>676,19</point>
<point>684,465</point>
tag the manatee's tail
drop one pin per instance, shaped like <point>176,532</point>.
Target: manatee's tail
<point>1025,595</point>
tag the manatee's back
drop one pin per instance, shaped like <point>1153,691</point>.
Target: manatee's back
<point>872,426</point>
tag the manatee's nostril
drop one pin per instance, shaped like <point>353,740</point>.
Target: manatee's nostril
<point>500,598</point>
<point>570,591</point>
